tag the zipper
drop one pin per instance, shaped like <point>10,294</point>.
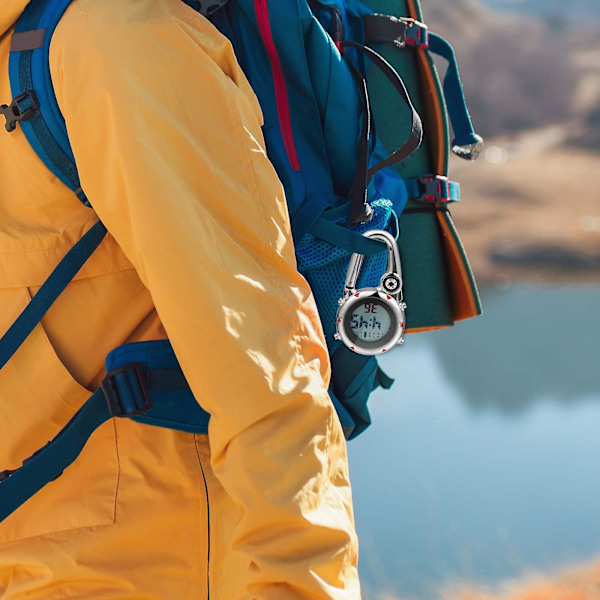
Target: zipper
<point>281,96</point>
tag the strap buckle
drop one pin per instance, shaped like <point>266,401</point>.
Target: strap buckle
<point>126,391</point>
<point>15,112</point>
<point>400,31</point>
<point>433,188</point>
<point>417,34</point>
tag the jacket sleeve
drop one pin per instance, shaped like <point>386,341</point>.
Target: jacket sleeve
<point>167,136</point>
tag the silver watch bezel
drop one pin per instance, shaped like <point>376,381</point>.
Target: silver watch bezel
<point>359,296</point>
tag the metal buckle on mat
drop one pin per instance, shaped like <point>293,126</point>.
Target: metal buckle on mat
<point>13,112</point>
<point>434,188</point>
<point>139,393</point>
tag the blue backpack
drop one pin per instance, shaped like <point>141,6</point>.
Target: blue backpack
<point>314,70</point>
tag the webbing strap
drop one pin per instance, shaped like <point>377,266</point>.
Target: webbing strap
<point>307,215</point>
<point>29,71</point>
<point>54,458</point>
<point>415,136</point>
<point>379,28</point>
<point>458,112</point>
<point>59,279</point>
<point>159,397</point>
<point>346,238</point>
<point>399,31</point>
<point>360,211</point>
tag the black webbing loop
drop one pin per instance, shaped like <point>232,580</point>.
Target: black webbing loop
<point>361,211</point>
<point>358,193</point>
<point>416,132</point>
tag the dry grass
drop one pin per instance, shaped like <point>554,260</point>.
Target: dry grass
<point>539,195</point>
<point>578,583</point>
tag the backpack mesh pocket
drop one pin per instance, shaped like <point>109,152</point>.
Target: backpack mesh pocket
<point>325,265</point>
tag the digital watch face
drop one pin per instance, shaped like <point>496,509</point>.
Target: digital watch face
<point>370,323</point>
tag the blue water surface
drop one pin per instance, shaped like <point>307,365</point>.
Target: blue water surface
<point>482,461</point>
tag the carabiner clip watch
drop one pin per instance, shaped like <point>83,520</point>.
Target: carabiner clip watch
<point>372,320</point>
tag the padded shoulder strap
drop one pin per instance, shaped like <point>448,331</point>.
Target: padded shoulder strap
<point>33,92</point>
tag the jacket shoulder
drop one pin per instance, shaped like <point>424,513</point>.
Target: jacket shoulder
<point>156,44</point>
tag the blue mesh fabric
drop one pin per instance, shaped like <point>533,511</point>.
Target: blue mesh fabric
<point>324,266</point>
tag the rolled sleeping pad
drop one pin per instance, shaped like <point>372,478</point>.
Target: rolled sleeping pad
<point>439,287</point>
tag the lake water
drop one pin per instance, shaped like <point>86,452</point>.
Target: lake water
<point>482,461</point>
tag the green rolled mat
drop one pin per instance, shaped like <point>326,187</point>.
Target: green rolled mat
<point>439,287</point>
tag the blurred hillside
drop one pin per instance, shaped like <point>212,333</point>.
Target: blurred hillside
<point>577,9</point>
<point>522,72</point>
<point>531,208</point>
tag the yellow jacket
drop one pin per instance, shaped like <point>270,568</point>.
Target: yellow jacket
<point>166,134</point>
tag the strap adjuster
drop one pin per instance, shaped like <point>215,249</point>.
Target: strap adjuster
<point>433,188</point>
<point>417,34</point>
<point>126,391</point>
<point>22,108</point>
<point>400,31</point>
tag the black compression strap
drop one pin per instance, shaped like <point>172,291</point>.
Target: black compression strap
<point>416,132</point>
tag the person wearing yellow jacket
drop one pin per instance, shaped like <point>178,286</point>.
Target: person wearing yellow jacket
<point>167,137</point>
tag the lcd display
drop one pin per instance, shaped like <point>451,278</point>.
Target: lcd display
<point>370,322</point>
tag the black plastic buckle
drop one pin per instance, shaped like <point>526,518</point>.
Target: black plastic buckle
<point>138,393</point>
<point>13,112</point>
<point>417,34</point>
<point>434,188</point>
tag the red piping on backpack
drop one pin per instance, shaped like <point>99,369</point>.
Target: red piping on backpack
<point>281,96</point>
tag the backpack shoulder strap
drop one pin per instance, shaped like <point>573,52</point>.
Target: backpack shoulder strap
<point>34,103</point>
